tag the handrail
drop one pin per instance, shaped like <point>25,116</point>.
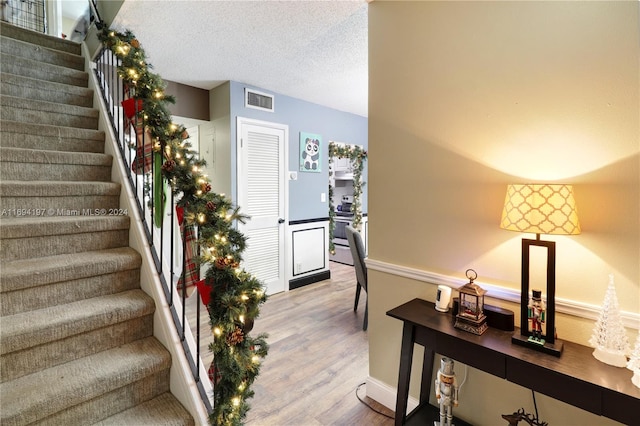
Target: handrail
<point>161,227</point>
<point>94,13</point>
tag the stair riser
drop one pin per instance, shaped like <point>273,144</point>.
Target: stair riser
<point>46,72</point>
<point>26,115</point>
<point>47,93</point>
<point>54,172</point>
<point>20,363</point>
<point>58,293</point>
<point>83,205</point>
<point>24,248</point>
<point>112,403</point>
<point>34,52</point>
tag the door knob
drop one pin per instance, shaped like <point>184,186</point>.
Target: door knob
<point>281,220</point>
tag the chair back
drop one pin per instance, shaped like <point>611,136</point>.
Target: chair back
<point>357,252</point>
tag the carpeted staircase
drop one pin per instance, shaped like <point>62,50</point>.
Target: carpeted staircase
<point>76,330</point>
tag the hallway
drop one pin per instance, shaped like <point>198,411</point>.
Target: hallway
<point>318,356</point>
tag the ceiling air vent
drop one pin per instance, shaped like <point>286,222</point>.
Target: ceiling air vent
<point>258,100</point>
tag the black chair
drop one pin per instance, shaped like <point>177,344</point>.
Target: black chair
<point>357,252</point>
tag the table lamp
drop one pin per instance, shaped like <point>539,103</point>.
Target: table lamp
<point>539,209</point>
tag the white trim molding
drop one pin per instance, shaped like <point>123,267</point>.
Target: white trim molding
<point>386,395</point>
<point>565,306</point>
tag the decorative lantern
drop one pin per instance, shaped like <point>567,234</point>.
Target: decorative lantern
<point>471,315</point>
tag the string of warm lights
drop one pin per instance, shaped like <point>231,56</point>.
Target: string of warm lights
<point>357,156</point>
<point>235,295</point>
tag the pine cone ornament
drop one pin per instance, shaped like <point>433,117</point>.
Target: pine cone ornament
<point>169,165</point>
<point>135,43</point>
<point>236,337</point>
<point>205,187</point>
<point>211,205</point>
<point>221,263</point>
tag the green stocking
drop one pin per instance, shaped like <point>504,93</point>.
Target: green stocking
<point>158,190</point>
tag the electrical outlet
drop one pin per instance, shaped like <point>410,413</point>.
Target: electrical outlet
<point>298,268</point>
<point>323,197</point>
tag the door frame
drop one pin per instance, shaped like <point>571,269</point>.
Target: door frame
<point>286,248</point>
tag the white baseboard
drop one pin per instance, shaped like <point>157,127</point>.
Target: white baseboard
<point>386,395</point>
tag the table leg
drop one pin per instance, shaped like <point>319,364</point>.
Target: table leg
<point>427,371</point>
<point>404,376</point>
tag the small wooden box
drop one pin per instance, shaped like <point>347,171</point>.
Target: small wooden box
<point>499,318</point>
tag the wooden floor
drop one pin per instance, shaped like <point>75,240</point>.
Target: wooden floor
<point>318,356</point>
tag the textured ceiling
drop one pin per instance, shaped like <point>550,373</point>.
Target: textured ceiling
<point>311,50</point>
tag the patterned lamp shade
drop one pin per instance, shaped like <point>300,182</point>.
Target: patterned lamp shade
<point>540,209</point>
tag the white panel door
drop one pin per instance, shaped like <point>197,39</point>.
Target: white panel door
<point>262,194</point>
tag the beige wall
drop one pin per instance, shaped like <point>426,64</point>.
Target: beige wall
<point>191,102</point>
<point>466,97</point>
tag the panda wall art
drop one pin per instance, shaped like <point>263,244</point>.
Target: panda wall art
<point>310,149</point>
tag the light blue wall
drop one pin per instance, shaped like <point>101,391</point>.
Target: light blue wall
<point>302,116</point>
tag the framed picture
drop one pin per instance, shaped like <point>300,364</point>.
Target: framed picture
<point>310,149</point>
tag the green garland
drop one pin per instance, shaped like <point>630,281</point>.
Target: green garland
<point>358,156</point>
<point>236,295</point>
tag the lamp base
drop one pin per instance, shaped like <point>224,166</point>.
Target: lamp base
<point>554,348</point>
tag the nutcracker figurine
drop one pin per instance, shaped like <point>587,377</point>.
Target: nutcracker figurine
<point>536,313</point>
<point>446,392</point>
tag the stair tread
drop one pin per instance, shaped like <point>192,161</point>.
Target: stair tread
<point>33,328</point>
<point>26,81</point>
<point>29,399</point>
<point>50,130</point>
<point>45,54</point>
<point>31,226</point>
<point>45,90</point>
<point>19,188</point>
<point>29,36</point>
<point>42,70</point>
<point>51,137</point>
<point>46,106</point>
<point>65,267</point>
<point>27,155</point>
<point>164,409</point>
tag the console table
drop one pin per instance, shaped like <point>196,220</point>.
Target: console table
<point>576,377</point>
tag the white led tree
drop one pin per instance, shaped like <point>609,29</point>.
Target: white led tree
<point>609,338</point>
<point>634,363</point>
